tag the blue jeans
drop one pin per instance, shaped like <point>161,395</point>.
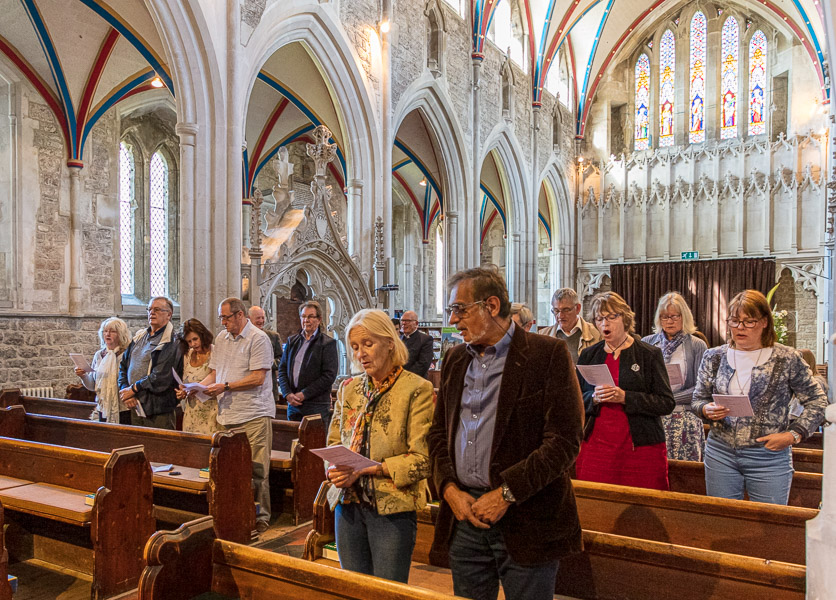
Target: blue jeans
<point>379,545</point>
<point>765,474</point>
<point>479,561</point>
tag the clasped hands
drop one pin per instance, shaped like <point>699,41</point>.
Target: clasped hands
<point>343,477</point>
<point>296,399</point>
<point>608,393</point>
<point>480,512</point>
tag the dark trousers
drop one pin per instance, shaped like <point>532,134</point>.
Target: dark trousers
<point>295,413</point>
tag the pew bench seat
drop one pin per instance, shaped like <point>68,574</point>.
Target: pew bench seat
<point>10,482</point>
<point>189,479</point>
<point>280,460</point>
<point>52,501</point>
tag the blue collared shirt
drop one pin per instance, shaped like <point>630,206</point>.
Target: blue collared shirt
<point>477,415</point>
<point>300,355</point>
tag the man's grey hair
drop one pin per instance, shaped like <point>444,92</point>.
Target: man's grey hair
<point>311,304</point>
<point>566,294</point>
<point>168,303</point>
<point>235,305</point>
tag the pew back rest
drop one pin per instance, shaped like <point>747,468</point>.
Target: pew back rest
<point>310,432</point>
<point>68,467</point>
<point>74,409</point>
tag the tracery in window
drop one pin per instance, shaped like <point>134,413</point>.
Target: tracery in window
<point>697,76</point>
<point>729,45</point>
<point>126,218</point>
<point>667,60</point>
<point>757,83</point>
<point>159,225</point>
<point>642,138</point>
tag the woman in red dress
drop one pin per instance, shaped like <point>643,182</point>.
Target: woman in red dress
<point>624,442</point>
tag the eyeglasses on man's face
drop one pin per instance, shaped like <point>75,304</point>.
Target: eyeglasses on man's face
<point>460,310</point>
<point>609,318</point>
<point>308,317</point>
<point>156,309</point>
<point>734,323</point>
<point>564,311</point>
<point>224,318</point>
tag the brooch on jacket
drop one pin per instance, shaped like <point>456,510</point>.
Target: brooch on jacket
<point>635,368</point>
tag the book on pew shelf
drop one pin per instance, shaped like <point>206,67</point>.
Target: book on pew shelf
<point>204,472</point>
<point>293,444</point>
<point>13,583</point>
<point>162,468</point>
<point>329,551</point>
<point>90,499</point>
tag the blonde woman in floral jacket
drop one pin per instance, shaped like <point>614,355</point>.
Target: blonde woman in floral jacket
<point>754,453</point>
<point>383,414</point>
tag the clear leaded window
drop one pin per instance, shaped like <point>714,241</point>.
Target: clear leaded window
<point>757,83</point>
<point>126,218</point>
<point>667,60</point>
<point>159,225</point>
<point>642,138</point>
<point>696,127</point>
<point>729,45</point>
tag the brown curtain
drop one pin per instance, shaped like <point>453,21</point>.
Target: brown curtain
<point>707,286</point>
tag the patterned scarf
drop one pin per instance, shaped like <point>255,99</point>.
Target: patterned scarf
<point>360,434</point>
<point>670,346</point>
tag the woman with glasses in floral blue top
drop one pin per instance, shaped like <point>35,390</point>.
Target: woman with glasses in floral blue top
<point>754,454</point>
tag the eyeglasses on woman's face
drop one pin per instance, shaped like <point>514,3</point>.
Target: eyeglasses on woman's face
<point>609,318</point>
<point>734,322</point>
<point>670,317</point>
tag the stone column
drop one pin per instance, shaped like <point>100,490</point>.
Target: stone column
<point>255,248</point>
<point>451,226</point>
<point>388,38</point>
<point>473,233</point>
<point>76,258</point>
<point>354,220</point>
<point>194,234</point>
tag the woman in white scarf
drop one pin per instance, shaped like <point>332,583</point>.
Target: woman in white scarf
<point>104,379</point>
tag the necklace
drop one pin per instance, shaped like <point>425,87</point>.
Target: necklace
<point>744,389</point>
<point>613,350</point>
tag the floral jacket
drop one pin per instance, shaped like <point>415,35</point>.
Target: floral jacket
<point>398,438</point>
<point>773,385</point>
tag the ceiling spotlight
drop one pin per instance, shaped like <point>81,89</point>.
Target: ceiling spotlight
<point>580,159</point>
<point>384,27</point>
<point>157,82</point>
<point>423,182</point>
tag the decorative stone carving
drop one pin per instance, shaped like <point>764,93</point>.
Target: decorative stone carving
<point>591,282</point>
<point>805,273</point>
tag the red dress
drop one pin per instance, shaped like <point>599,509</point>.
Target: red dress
<point>608,455</point>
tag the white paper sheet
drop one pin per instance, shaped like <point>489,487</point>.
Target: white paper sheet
<point>81,362</point>
<point>200,395</point>
<point>139,410</point>
<point>161,468</point>
<point>675,374</point>
<point>343,457</point>
<point>596,375</point>
<point>739,406</point>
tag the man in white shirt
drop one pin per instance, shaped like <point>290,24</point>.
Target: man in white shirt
<point>241,360</point>
<point>570,326</point>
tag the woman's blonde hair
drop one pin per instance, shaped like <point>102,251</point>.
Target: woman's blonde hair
<point>613,303</point>
<point>379,325</point>
<point>753,304</point>
<point>122,332</point>
<point>675,300</point>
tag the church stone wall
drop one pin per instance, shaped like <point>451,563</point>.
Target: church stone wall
<point>458,70</point>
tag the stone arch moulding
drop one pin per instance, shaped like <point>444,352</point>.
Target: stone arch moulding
<point>426,94</point>
<point>206,275</point>
<point>522,216</point>
<point>564,208</point>
<point>315,26</point>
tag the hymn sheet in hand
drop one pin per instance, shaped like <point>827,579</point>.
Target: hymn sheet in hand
<point>596,375</point>
<point>675,374</point>
<point>200,395</point>
<point>81,362</point>
<point>738,405</point>
<point>343,457</point>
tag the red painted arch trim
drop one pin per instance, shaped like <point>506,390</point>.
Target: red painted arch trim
<point>487,226</point>
<point>412,197</point>
<point>262,138</point>
<point>93,79</point>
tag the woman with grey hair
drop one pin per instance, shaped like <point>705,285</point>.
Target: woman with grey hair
<point>522,316</point>
<point>384,414</point>
<point>114,337</point>
<point>675,328</point>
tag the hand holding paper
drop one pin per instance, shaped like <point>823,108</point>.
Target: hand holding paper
<point>192,389</point>
<point>81,362</point>
<point>596,375</point>
<point>343,457</point>
<point>739,406</point>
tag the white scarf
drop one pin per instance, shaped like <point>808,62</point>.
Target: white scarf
<point>107,386</point>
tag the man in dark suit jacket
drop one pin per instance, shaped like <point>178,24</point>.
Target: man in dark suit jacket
<point>309,367</point>
<point>419,345</point>
<point>507,428</point>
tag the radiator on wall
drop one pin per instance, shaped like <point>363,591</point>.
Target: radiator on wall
<point>38,392</point>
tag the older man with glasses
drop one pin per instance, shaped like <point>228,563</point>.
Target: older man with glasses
<point>507,428</point>
<point>309,367</point>
<point>146,383</point>
<point>570,326</point>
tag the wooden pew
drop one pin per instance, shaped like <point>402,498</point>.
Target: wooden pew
<point>238,571</point>
<point>660,522</point>
<point>5,588</point>
<point>43,494</point>
<point>807,460</point>
<point>58,407</point>
<point>226,494</point>
<point>300,472</point>
<point>76,391</point>
<point>764,531</point>
<point>689,477</point>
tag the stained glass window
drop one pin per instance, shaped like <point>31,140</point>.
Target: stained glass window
<point>667,59</point>
<point>696,120</point>
<point>126,218</point>
<point>729,49</point>
<point>642,138</point>
<point>159,225</point>
<point>757,83</point>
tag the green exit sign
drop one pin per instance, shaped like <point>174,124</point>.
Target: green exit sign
<point>690,256</point>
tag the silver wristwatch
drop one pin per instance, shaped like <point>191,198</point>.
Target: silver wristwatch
<point>796,437</point>
<point>507,495</point>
